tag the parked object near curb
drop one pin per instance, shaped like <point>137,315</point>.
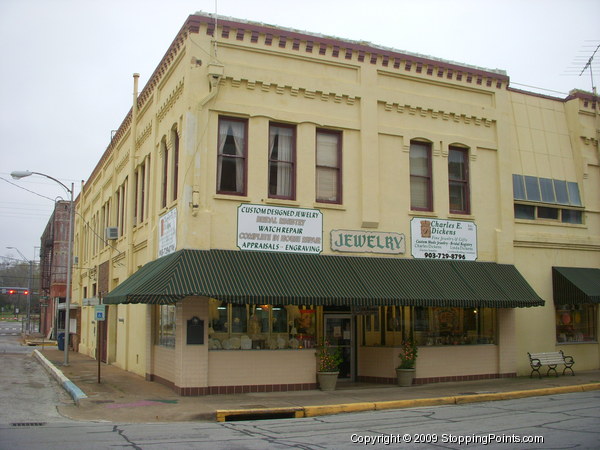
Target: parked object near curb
<point>327,380</point>
<point>405,376</point>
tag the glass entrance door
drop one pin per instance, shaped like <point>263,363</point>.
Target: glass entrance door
<point>339,333</point>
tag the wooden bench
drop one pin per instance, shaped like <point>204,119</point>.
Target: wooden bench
<point>550,359</point>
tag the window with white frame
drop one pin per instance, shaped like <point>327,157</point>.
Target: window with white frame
<point>231,159</point>
<point>329,166</point>
<point>282,170</point>
<point>421,192</point>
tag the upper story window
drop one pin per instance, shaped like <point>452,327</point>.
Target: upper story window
<point>421,193</point>
<point>165,180</point>
<point>121,213</point>
<point>282,161</point>
<point>142,173</point>
<point>329,166</point>
<point>458,180</point>
<point>232,156</point>
<point>547,199</point>
<point>175,162</point>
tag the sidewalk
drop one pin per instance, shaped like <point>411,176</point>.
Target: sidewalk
<point>128,398</point>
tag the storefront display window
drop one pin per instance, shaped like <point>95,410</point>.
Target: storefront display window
<point>432,326</point>
<point>371,329</point>
<point>239,319</point>
<point>576,323</point>
<point>457,326</point>
<point>166,326</point>
<point>260,327</point>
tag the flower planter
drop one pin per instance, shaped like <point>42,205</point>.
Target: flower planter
<point>405,377</point>
<point>327,380</point>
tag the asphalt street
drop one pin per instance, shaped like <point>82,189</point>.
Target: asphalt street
<point>558,421</point>
<point>125,411</point>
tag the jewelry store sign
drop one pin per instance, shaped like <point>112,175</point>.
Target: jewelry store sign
<point>279,229</point>
<point>167,233</point>
<point>367,241</point>
<point>443,239</point>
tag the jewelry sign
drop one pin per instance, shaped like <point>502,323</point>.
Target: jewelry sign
<point>367,241</point>
<point>279,229</point>
<point>443,239</point>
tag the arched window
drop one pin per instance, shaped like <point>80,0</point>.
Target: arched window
<point>458,180</point>
<point>421,192</point>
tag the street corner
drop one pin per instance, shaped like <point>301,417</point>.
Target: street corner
<point>72,389</point>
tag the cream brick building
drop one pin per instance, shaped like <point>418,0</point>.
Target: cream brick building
<point>271,187</point>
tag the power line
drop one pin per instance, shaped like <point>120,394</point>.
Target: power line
<point>25,189</point>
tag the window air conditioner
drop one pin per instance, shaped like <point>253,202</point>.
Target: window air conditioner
<point>112,233</point>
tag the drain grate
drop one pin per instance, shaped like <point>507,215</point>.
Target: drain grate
<point>260,416</point>
<point>28,424</point>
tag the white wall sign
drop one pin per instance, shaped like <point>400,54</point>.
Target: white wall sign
<point>443,239</point>
<point>167,233</point>
<point>279,229</point>
<point>367,241</point>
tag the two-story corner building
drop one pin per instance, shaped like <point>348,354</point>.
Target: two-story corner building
<point>270,188</point>
<point>54,251</point>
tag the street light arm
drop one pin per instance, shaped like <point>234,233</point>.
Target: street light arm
<point>18,174</point>
<point>19,252</point>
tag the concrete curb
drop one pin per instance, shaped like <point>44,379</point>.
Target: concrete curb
<point>76,393</point>
<point>322,410</point>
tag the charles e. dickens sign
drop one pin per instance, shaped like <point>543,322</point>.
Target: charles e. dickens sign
<point>443,239</point>
<point>279,229</point>
<point>367,241</point>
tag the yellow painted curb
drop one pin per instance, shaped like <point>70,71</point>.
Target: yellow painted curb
<point>322,410</point>
<point>520,394</point>
<point>221,415</point>
<point>414,403</point>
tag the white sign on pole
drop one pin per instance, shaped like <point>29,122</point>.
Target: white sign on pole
<point>167,233</point>
<point>443,239</point>
<point>279,229</point>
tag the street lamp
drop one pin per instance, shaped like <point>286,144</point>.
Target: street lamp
<point>17,175</point>
<point>28,326</point>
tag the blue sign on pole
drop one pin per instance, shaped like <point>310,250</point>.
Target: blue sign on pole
<point>99,312</point>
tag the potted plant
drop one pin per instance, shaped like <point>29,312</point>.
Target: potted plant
<point>405,372</point>
<point>328,362</point>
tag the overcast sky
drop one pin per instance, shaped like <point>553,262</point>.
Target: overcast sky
<point>67,65</point>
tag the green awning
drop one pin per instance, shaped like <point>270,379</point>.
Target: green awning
<point>572,285</point>
<point>302,279</point>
